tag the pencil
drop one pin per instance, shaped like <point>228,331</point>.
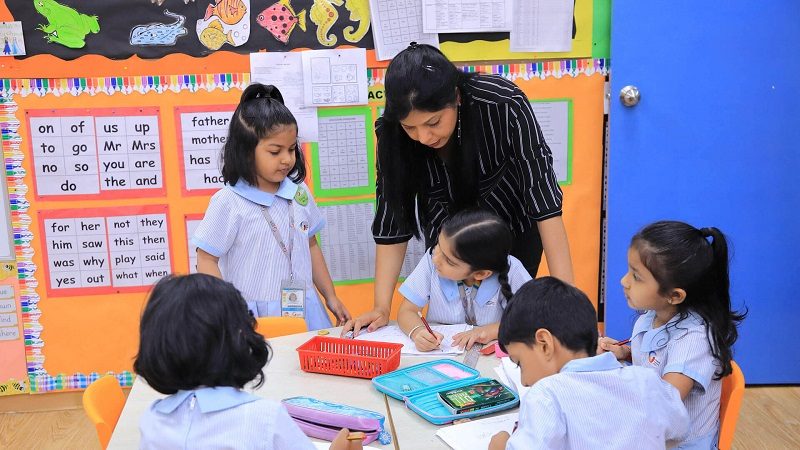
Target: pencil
<point>622,342</point>
<point>356,436</point>
<point>395,441</point>
<point>425,322</point>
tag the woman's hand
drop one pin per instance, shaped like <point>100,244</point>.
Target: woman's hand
<point>338,309</point>
<point>371,319</point>
<point>480,335</point>
<point>607,344</point>
<point>425,341</point>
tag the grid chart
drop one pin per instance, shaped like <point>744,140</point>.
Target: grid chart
<point>347,242</point>
<point>343,152</point>
<point>401,21</point>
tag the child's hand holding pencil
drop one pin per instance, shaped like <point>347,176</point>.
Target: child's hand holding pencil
<point>621,351</point>
<point>425,339</point>
<point>347,440</point>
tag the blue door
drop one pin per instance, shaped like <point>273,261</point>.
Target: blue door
<point>714,141</point>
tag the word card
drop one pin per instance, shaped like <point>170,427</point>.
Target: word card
<point>9,325</point>
<point>103,250</point>
<point>202,132</point>
<point>105,153</point>
<point>346,240</point>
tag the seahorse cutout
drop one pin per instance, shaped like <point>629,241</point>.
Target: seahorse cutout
<point>324,15</point>
<point>359,12</point>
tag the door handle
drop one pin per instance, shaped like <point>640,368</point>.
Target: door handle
<point>629,96</point>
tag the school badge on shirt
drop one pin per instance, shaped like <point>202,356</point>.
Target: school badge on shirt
<point>301,196</point>
<point>651,358</point>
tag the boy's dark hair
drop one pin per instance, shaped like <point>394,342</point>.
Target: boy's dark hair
<point>260,113</point>
<point>196,331</point>
<point>558,307</point>
<point>695,260</point>
<point>470,231</point>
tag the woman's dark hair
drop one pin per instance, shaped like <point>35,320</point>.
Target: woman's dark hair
<point>680,256</point>
<point>549,303</point>
<point>260,113</point>
<point>196,331</point>
<point>482,240</point>
<point>422,78</point>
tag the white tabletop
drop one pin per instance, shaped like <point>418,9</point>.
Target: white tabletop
<point>285,379</point>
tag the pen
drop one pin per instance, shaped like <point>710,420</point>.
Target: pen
<point>622,342</point>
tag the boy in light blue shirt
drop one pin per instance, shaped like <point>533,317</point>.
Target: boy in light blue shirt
<point>579,400</point>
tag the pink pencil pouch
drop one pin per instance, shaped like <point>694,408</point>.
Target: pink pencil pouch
<point>323,420</point>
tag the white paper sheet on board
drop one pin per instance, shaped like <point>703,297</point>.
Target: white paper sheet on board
<point>541,25</point>
<point>466,16</point>
<point>285,70</point>
<point>397,23</point>
<point>335,77</point>
<point>553,119</point>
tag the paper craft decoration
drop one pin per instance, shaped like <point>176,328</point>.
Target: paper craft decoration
<point>225,22</point>
<point>13,40</point>
<point>324,15</point>
<point>280,20</point>
<point>159,33</point>
<point>359,12</point>
<point>65,26</point>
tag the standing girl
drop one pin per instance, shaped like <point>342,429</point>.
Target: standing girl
<point>678,275</point>
<point>259,231</point>
<point>449,141</point>
<point>468,277</point>
<point>198,345</point>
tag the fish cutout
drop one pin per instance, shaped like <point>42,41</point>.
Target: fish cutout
<point>214,36</point>
<point>159,33</point>
<point>280,20</point>
<point>228,11</point>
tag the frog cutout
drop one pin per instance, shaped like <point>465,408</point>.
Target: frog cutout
<point>65,26</point>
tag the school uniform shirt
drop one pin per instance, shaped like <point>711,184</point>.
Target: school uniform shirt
<point>219,418</point>
<point>516,179</point>
<point>596,403</point>
<point>425,286</point>
<point>235,230</point>
<point>683,347</point>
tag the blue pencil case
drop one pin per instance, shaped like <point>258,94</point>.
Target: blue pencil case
<point>418,386</point>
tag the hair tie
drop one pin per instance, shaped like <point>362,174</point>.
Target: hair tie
<point>413,45</point>
<point>706,232</point>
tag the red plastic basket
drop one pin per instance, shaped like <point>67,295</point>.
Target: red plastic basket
<point>348,357</point>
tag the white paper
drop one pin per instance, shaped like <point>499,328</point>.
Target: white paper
<point>394,334</point>
<point>477,433</point>
<point>541,25</point>
<point>553,119</point>
<point>285,70</point>
<point>335,77</point>
<point>511,376</point>
<point>12,39</point>
<point>414,253</point>
<point>397,23</point>
<point>343,152</point>
<point>346,240</point>
<point>203,135</point>
<point>465,16</point>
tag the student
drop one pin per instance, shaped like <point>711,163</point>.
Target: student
<point>448,141</point>
<point>467,277</point>
<point>259,231</point>
<point>198,345</point>
<point>686,334</point>
<point>579,400</point>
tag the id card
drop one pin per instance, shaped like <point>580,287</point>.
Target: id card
<point>293,299</point>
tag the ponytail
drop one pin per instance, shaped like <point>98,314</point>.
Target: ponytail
<point>505,288</point>
<point>260,113</point>
<point>681,256</point>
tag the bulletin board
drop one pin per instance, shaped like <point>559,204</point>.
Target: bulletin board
<point>112,156</point>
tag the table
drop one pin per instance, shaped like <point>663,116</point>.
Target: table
<point>283,379</point>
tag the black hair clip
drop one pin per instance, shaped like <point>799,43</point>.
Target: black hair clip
<point>413,45</point>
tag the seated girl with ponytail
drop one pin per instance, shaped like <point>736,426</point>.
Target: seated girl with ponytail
<point>468,277</point>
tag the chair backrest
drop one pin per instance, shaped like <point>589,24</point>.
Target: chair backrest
<point>272,327</point>
<point>103,401</point>
<point>729,404</point>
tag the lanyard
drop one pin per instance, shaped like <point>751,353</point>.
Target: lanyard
<point>286,249</point>
<point>468,294</point>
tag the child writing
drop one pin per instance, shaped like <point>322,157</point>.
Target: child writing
<point>579,399</point>
<point>198,345</point>
<point>259,231</point>
<point>467,277</point>
<point>678,275</point>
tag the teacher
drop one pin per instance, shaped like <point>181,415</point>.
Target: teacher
<point>450,140</point>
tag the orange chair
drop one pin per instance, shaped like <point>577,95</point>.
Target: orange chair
<point>103,401</point>
<point>272,327</point>
<point>729,404</point>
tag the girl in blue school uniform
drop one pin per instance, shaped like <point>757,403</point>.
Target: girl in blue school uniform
<point>259,231</point>
<point>468,277</point>
<point>198,345</point>
<point>678,275</point>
